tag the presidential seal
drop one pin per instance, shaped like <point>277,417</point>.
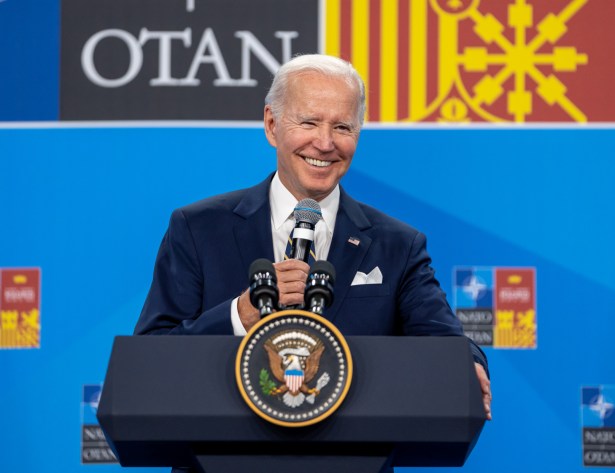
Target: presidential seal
<point>294,368</point>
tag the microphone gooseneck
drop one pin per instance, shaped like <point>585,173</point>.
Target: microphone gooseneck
<point>319,287</point>
<point>264,293</point>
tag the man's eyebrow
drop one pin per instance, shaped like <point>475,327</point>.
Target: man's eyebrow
<point>350,125</point>
<point>312,118</point>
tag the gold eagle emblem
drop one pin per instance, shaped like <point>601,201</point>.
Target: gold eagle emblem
<point>294,359</point>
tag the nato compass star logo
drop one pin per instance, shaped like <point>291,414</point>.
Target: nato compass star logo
<point>90,401</point>
<point>603,408</point>
<point>599,406</point>
<point>474,288</point>
<point>598,416</point>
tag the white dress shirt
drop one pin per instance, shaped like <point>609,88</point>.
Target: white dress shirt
<point>283,204</point>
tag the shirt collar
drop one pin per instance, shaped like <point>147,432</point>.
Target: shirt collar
<point>283,204</point>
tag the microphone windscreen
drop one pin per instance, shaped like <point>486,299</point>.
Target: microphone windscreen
<point>307,210</point>
<point>324,267</point>
<point>262,266</point>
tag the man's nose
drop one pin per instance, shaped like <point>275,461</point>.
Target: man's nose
<point>324,141</point>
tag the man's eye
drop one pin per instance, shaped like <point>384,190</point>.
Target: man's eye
<point>308,123</point>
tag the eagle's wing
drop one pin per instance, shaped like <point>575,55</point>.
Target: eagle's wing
<point>312,363</point>
<point>275,362</point>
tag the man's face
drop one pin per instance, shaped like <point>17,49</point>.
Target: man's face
<point>316,134</point>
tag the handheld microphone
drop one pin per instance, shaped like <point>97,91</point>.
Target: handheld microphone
<point>307,214</point>
<point>319,288</point>
<point>264,294</point>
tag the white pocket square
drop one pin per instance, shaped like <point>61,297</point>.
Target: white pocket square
<point>374,277</point>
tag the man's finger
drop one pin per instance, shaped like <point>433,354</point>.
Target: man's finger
<point>292,287</point>
<point>292,265</point>
<point>485,386</point>
<point>292,275</point>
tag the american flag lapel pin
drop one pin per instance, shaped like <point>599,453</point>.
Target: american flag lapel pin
<point>354,240</point>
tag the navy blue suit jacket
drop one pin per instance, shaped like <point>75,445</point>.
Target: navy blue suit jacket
<point>203,262</point>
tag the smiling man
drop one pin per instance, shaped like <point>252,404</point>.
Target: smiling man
<point>312,117</point>
<point>315,131</point>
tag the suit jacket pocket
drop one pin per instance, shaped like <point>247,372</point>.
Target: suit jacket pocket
<point>369,290</point>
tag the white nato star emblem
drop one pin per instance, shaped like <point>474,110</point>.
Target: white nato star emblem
<point>603,408</point>
<point>474,287</point>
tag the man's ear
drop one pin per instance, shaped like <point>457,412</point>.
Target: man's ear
<point>270,126</point>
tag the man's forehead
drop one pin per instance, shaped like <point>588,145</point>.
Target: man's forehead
<point>307,101</point>
<point>300,78</point>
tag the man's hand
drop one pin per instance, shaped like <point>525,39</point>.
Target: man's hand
<point>292,275</point>
<point>248,314</point>
<point>485,386</point>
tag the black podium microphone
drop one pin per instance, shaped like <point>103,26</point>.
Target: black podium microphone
<point>307,214</point>
<point>264,293</point>
<point>319,287</point>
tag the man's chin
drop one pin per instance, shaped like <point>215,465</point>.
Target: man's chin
<point>319,193</point>
<point>316,187</point>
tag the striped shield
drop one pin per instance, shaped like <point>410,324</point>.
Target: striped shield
<point>294,380</point>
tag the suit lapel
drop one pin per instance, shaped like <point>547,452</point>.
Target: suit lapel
<point>253,233</point>
<point>348,248</point>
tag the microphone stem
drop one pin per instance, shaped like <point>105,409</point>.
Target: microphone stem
<point>317,305</point>
<point>265,307</point>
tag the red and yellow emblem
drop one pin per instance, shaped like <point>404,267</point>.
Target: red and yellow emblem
<point>20,308</point>
<point>472,60</point>
<point>514,308</point>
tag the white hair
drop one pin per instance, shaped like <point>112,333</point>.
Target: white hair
<point>327,65</point>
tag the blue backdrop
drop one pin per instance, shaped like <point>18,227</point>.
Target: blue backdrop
<point>90,205</point>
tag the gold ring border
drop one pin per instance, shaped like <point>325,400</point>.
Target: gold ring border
<point>317,318</point>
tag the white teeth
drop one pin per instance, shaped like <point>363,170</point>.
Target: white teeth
<point>317,162</point>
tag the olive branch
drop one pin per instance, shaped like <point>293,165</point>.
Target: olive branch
<point>264,380</point>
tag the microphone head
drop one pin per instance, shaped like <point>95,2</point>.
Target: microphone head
<point>260,268</point>
<point>319,286</point>
<point>308,210</point>
<point>264,294</point>
<point>323,269</point>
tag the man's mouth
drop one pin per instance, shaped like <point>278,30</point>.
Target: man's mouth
<point>317,162</point>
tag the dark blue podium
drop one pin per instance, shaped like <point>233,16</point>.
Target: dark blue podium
<point>173,401</point>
